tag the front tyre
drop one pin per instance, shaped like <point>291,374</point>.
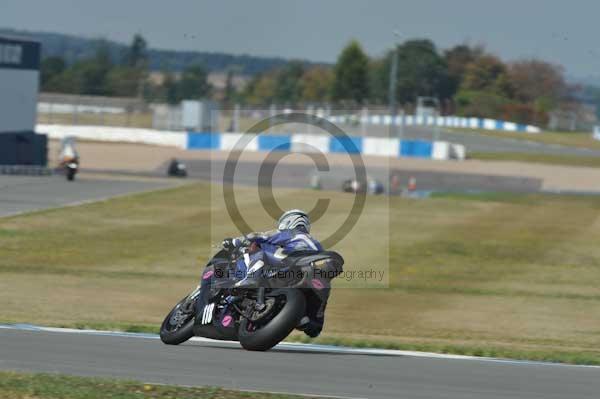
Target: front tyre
<point>265,333</point>
<point>178,326</point>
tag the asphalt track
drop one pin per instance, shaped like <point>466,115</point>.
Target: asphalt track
<point>19,194</point>
<point>299,176</point>
<point>290,368</point>
<point>474,142</point>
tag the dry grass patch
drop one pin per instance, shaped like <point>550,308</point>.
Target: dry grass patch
<point>507,275</point>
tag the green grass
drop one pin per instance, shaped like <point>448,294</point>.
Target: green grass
<point>508,275</point>
<point>505,197</point>
<point>571,139</point>
<point>568,160</point>
<point>50,386</point>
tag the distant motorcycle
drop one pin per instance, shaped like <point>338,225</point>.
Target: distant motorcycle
<point>259,309</point>
<point>69,158</point>
<point>371,186</point>
<point>71,168</point>
<point>176,169</point>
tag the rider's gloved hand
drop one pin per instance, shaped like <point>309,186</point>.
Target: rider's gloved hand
<point>228,244</point>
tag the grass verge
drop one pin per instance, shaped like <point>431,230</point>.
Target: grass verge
<point>583,358</point>
<point>570,139</point>
<point>567,160</point>
<point>50,386</point>
<point>511,276</point>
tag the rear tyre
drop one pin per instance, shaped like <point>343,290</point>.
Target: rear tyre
<point>292,307</point>
<point>178,326</point>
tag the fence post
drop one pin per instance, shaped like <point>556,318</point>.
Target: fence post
<point>75,111</point>
<point>364,120</point>
<point>236,118</point>
<point>272,113</point>
<point>309,113</point>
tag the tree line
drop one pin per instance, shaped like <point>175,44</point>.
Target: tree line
<point>126,76</point>
<point>466,80</point>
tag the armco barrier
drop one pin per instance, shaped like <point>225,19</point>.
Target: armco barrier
<point>346,144</point>
<point>441,121</point>
<point>379,146</point>
<point>416,148</point>
<point>203,141</point>
<point>274,143</point>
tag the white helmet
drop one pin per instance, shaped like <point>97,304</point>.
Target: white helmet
<point>293,219</point>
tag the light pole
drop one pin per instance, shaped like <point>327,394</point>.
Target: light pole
<point>392,89</point>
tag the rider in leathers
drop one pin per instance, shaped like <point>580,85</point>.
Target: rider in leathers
<point>292,235</point>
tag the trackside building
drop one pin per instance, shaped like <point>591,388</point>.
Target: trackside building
<point>19,86</point>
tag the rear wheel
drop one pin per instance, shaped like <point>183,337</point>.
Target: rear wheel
<point>70,174</point>
<point>178,326</point>
<point>264,329</point>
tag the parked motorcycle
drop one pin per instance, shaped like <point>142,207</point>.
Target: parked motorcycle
<point>258,309</point>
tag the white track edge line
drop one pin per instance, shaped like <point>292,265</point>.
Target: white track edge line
<point>296,346</point>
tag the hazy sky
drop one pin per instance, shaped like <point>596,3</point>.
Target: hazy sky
<point>565,32</point>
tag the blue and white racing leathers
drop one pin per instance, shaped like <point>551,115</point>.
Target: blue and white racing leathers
<point>274,247</point>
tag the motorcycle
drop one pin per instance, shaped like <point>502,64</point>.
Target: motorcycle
<point>177,169</point>
<point>258,309</point>
<point>71,168</point>
<point>69,158</point>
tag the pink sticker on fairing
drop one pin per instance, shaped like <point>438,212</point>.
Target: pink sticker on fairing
<point>208,274</point>
<point>318,284</point>
<point>226,321</point>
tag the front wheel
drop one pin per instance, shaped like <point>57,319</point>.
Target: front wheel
<point>178,326</point>
<point>286,308</point>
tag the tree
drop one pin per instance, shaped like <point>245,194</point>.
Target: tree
<point>261,89</point>
<point>478,103</point>
<point>457,59</point>
<point>123,81</point>
<point>137,59</point>
<point>138,52</point>
<point>288,88</point>
<point>421,72</point>
<point>537,81</point>
<point>316,84</point>
<point>90,76</point>
<point>487,73</point>
<point>194,83</point>
<point>351,75</point>
<point>51,68</point>
<point>379,80</point>
<point>230,92</point>
<point>170,89</point>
